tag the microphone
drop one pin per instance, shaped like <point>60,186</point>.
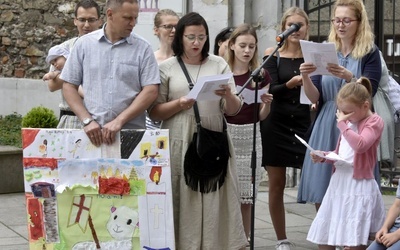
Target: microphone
<point>282,36</point>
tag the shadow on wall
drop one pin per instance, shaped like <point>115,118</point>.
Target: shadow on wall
<point>20,95</point>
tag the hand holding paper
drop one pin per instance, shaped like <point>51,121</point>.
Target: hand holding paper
<point>331,156</point>
<point>320,54</point>
<point>248,94</point>
<point>205,86</point>
<point>339,161</point>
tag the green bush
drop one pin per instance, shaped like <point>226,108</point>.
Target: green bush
<point>40,117</point>
<point>10,130</point>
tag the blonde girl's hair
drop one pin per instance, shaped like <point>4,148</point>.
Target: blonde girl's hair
<point>163,12</point>
<point>364,38</point>
<point>356,92</point>
<point>290,12</point>
<point>243,29</point>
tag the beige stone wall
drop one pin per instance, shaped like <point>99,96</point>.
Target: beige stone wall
<point>28,28</point>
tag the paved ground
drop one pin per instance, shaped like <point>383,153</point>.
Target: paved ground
<point>13,227</point>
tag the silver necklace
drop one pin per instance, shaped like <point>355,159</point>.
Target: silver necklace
<point>198,72</point>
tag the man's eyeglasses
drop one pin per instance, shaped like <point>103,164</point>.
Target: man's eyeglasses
<point>89,20</point>
<point>192,38</point>
<point>168,26</point>
<point>345,21</point>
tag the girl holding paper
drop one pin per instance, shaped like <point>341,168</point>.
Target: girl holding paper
<point>352,207</point>
<point>242,58</point>
<point>358,56</point>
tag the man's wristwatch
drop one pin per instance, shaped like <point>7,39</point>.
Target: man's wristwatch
<point>87,121</point>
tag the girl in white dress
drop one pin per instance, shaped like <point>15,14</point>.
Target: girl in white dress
<point>352,207</point>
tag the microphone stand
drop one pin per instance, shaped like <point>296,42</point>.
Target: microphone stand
<point>257,77</point>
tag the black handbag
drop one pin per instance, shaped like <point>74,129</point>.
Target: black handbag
<point>211,144</point>
<point>206,159</point>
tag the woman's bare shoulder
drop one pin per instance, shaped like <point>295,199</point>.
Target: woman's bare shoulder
<point>268,51</point>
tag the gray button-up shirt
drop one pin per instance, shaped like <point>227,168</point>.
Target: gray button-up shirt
<point>112,75</point>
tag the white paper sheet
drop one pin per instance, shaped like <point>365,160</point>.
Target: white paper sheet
<point>303,97</point>
<point>339,161</point>
<point>320,54</point>
<point>248,94</point>
<point>308,146</point>
<point>205,86</point>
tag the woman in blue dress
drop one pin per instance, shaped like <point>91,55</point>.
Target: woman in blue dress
<point>358,56</point>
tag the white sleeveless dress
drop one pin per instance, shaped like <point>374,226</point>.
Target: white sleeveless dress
<point>351,209</point>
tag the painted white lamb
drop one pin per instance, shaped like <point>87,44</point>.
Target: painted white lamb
<point>121,226</point>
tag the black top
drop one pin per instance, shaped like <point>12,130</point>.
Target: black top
<point>287,117</point>
<point>246,114</point>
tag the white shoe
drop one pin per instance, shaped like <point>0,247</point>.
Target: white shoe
<point>285,245</point>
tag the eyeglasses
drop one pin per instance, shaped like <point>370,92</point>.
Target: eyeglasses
<point>89,20</point>
<point>192,38</point>
<point>168,27</point>
<point>345,21</point>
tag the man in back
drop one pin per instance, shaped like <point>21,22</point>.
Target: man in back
<point>87,19</point>
<point>118,72</point>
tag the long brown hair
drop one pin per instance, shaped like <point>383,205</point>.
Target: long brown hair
<point>243,29</point>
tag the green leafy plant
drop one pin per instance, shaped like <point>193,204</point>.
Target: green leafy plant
<point>10,130</point>
<point>40,117</point>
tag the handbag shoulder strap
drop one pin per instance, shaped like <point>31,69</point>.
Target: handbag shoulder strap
<point>185,72</point>
<point>196,109</point>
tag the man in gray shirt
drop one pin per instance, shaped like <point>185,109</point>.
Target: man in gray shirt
<point>118,72</point>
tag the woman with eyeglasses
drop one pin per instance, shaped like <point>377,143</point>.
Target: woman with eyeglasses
<point>358,56</point>
<point>164,28</point>
<point>203,220</point>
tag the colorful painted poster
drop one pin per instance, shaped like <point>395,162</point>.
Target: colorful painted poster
<point>79,196</point>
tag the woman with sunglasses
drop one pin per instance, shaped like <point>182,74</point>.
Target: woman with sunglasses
<point>358,56</point>
<point>203,220</point>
